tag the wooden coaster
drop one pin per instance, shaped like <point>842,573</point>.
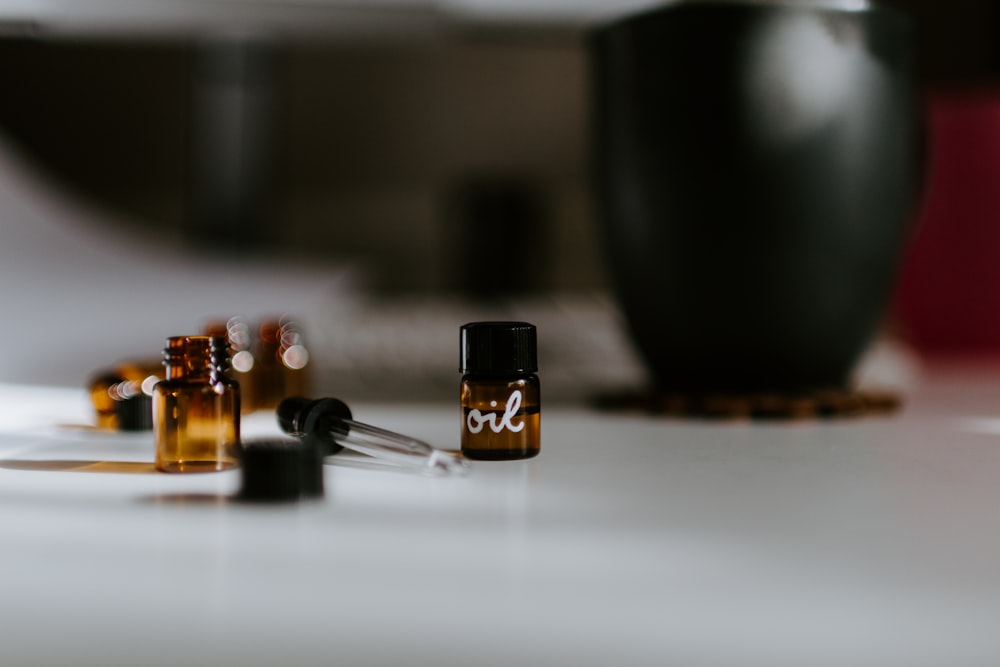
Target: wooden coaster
<point>832,404</point>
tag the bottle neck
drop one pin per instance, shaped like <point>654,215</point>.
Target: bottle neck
<point>196,358</point>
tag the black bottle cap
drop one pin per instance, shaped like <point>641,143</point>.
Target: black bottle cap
<point>498,347</point>
<point>315,421</point>
<point>312,471</point>
<point>135,413</point>
<point>280,470</point>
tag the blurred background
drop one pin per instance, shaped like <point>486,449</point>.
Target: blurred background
<point>382,173</point>
<point>374,145</point>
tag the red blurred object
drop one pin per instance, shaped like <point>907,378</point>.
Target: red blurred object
<point>948,298</point>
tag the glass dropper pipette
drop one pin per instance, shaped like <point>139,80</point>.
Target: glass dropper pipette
<point>328,424</point>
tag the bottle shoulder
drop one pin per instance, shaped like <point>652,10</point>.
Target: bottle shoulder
<point>502,378</point>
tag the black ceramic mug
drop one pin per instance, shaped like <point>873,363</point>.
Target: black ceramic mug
<point>758,167</point>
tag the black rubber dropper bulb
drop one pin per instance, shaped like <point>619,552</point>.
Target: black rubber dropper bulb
<point>320,422</point>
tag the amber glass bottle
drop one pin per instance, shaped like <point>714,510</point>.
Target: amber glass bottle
<point>501,408</point>
<point>109,388</point>
<point>196,410</point>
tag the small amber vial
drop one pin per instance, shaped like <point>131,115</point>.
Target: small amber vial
<point>501,414</point>
<point>102,396</point>
<point>110,387</point>
<point>196,410</point>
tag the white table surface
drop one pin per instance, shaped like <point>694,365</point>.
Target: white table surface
<point>629,541</point>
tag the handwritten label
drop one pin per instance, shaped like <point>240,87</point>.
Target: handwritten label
<point>476,420</point>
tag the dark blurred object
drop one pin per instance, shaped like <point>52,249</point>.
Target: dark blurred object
<point>958,39</point>
<point>500,238</point>
<point>948,300</point>
<point>280,471</point>
<point>756,194</point>
<point>233,131</point>
<point>106,119</point>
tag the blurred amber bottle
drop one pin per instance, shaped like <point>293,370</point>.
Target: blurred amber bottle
<point>196,410</point>
<point>103,390</point>
<point>269,362</point>
<point>108,388</point>
<point>243,366</point>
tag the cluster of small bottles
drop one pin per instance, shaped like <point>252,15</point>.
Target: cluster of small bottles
<point>196,412</point>
<point>269,360</point>
<point>196,405</point>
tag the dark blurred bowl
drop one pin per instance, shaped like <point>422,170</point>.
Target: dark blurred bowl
<point>758,168</point>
